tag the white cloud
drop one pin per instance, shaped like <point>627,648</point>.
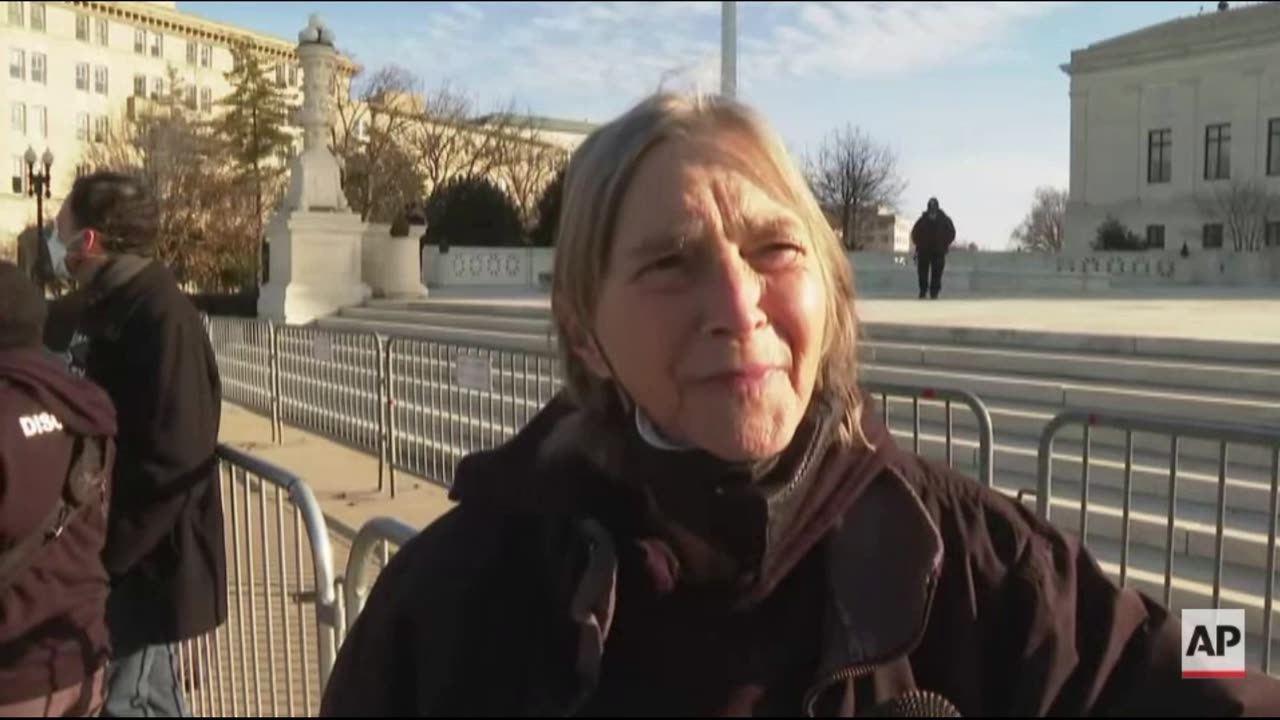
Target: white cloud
<point>605,54</point>
<point>855,40</point>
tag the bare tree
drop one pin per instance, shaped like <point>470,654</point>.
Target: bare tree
<point>1243,208</point>
<point>207,225</point>
<point>380,175</point>
<point>526,163</point>
<point>452,141</point>
<point>853,176</point>
<point>1044,227</point>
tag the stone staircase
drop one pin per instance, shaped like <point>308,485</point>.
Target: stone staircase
<point>1025,378</point>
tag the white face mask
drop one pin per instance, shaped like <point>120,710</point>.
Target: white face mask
<point>58,255</point>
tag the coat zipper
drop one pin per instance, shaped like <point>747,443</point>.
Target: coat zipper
<point>853,672</point>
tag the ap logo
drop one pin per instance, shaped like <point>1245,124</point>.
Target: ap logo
<point>1213,643</point>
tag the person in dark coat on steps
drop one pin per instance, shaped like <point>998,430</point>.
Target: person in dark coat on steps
<point>143,341</point>
<point>711,520</point>
<point>932,237</point>
<point>56,450</point>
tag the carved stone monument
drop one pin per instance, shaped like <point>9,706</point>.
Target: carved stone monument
<point>315,238</point>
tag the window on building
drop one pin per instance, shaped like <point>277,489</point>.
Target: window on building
<point>40,120</point>
<point>1155,236</point>
<point>82,126</point>
<point>1273,234</point>
<point>280,76</point>
<point>82,76</point>
<point>189,97</point>
<point>1160,156</point>
<point>157,88</point>
<point>157,44</point>
<point>293,76</point>
<point>206,56</point>
<point>18,64</point>
<point>83,169</point>
<point>206,99</point>
<point>140,86</point>
<point>140,41</point>
<point>18,185</point>
<point>101,128</point>
<point>102,32</point>
<point>193,52</point>
<point>82,28</point>
<point>18,118</point>
<point>1273,146</point>
<point>1212,238</point>
<point>1217,152</point>
<point>39,68</point>
<point>38,16</point>
<point>100,80</point>
<point>15,14</point>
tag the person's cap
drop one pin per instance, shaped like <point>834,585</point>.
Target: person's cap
<point>22,310</point>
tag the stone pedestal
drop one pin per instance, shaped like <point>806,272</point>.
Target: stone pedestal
<point>315,266</point>
<point>392,267</point>
<point>315,238</point>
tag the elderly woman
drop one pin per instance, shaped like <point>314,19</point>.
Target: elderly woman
<point>708,521</point>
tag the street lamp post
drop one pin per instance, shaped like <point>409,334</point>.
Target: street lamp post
<point>38,187</point>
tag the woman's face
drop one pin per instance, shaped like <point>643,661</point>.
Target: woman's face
<point>712,310</point>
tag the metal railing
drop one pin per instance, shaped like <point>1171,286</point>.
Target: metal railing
<point>447,400</point>
<point>1225,435</point>
<point>926,398</point>
<point>246,352</point>
<point>372,545</point>
<point>422,405</point>
<point>273,655</point>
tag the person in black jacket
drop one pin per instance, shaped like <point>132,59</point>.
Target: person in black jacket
<point>932,237</point>
<point>56,449</point>
<point>144,342</point>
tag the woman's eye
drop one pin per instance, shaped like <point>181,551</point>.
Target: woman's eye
<point>777,254</point>
<point>667,262</point>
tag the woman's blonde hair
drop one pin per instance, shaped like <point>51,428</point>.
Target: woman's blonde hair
<point>598,176</point>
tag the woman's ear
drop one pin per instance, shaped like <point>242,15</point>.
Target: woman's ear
<point>586,347</point>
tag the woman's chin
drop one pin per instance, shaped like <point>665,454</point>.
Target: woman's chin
<point>744,441</point>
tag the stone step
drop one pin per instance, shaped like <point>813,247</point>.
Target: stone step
<point>1088,395</point>
<point>469,306</point>
<point>517,325</point>
<point>521,342</point>
<point>1188,375</point>
<point>1212,351</point>
<point>1025,423</point>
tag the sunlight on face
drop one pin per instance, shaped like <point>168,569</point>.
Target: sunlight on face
<point>712,309</point>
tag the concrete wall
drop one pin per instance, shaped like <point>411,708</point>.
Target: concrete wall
<point>511,267</point>
<point>984,272</point>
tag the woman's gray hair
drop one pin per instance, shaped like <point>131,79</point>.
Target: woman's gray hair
<point>596,181</point>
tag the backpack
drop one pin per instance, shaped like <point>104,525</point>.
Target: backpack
<point>84,487</point>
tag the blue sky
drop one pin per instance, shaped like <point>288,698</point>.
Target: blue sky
<point>969,94</point>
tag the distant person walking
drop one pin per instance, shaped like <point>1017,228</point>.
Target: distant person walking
<point>932,237</point>
<point>143,342</point>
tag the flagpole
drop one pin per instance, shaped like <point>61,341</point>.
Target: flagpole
<point>729,49</point>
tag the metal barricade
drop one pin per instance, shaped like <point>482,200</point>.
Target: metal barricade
<point>245,350</point>
<point>446,400</point>
<point>1224,436</point>
<point>924,400</point>
<point>372,546</point>
<point>332,383</point>
<point>273,655</point>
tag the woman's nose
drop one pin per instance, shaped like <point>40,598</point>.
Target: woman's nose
<point>730,296</point>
